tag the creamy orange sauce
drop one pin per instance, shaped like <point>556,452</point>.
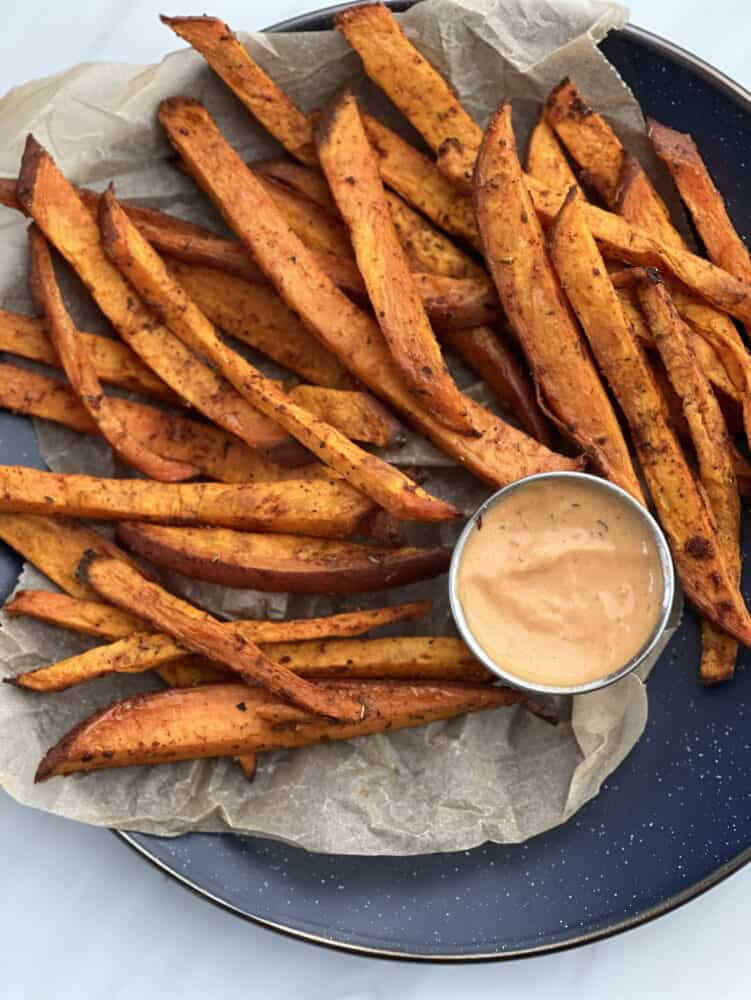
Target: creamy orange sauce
<point>561,583</point>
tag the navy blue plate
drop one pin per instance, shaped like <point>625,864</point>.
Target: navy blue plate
<point>674,819</point>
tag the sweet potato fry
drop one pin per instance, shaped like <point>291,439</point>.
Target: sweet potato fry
<point>82,374</point>
<point>352,172</point>
<point>305,180</point>
<point>282,563</point>
<point>323,508</point>
<point>148,274</point>
<point>712,444</point>
<point>499,456</point>
<point>419,91</point>
<point>427,248</point>
<point>724,246</point>
<point>419,181</point>
<point>589,139</point>
<point>215,453</point>
<point>546,161</point>
<point>515,250</point>
<point>618,240</point>
<point>68,225</point>
<point>681,507</point>
<point>265,101</point>
<point>356,414</point>
<point>257,316</point>
<point>106,622</point>
<point>114,362</point>
<point>487,354</point>
<point>318,229</point>
<point>201,633</point>
<point>220,720</point>
<point>55,546</point>
<point>714,337</point>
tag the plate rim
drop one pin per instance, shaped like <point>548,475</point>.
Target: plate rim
<point>742,96</point>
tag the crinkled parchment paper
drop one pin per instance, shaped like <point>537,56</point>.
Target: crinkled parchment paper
<point>501,776</point>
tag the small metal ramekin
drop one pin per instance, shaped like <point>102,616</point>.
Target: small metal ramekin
<point>668,585</point>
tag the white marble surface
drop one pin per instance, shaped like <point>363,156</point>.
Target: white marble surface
<point>82,917</point>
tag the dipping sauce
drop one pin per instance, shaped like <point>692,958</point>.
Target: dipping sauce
<point>561,582</point>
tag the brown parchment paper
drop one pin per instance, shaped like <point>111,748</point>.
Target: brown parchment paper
<point>500,776</point>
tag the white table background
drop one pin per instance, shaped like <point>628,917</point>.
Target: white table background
<point>81,916</point>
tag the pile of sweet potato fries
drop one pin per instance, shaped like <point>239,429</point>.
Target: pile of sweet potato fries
<point>357,261</point>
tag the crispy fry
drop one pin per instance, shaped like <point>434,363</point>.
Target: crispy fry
<point>215,453</point>
<point>56,546</point>
<point>304,180</point>
<point>323,508</point>
<point>419,91</point>
<point>724,246</point>
<point>355,414</point>
<point>427,248</point>
<point>82,374</point>
<point>499,456</point>
<point>318,229</point>
<point>106,622</point>
<point>681,507</point>
<point>515,250</point>
<point>68,225</point>
<point>712,444</point>
<point>417,179</point>
<point>265,101</point>
<point>589,139</point>
<point>486,353</point>
<point>256,315</point>
<point>352,171</point>
<point>146,271</point>
<point>201,633</point>
<point>221,720</point>
<point>546,160</point>
<point>114,362</point>
<point>187,671</point>
<point>282,563</point>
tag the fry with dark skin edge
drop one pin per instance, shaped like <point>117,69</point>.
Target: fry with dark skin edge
<point>500,456</point>
<point>352,172</point>
<point>68,225</point>
<point>113,361</point>
<point>566,378</point>
<point>305,180</point>
<point>682,509</point>
<point>356,414</point>
<point>423,96</point>
<point>94,618</point>
<point>257,316</point>
<point>265,101</point>
<point>724,246</point>
<point>322,508</point>
<point>55,546</point>
<point>200,633</point>
<point>406,657</point>
<point>215,453</point>
<point>220,720</point>
<point>546,160</point>
<point>83,378</point>
<point>146,271</point>
<point>487,354</point>
<point>281,563</point>
<point>712,445</point>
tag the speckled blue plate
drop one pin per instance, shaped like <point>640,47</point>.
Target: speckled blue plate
<point>674,819</point>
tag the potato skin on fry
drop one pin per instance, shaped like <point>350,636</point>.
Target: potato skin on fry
<point>681,508</point>
<point>219,720</point>
<point>567,380</point>
<point>281,563</point>
<point>499,456</point>
<point>325,508</point>
<point>200,633</point>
